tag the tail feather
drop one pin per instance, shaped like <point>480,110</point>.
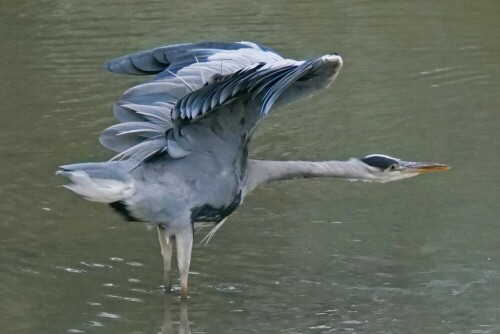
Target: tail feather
<point>99,182</point>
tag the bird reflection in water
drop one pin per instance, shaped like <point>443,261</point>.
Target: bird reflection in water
<point>168,323</point>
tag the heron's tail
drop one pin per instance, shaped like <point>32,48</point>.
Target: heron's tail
<point>141,131</point>
<point>105,182</point>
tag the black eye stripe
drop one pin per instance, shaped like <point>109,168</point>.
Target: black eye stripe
<point>378,161</point>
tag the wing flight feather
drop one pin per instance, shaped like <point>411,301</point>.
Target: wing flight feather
<point>261,79</point>
<point>191,81</point>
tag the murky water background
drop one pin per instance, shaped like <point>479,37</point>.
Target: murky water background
<point>420,81</point>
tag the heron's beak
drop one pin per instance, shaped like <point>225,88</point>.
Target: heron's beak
<point>422,167</point>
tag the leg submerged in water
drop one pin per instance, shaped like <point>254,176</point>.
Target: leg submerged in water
<point>184,242</point>
<point>167,245</point>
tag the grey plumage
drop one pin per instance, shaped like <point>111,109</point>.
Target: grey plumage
<point>267,80</point>
<point>182,138</point>
<point>181,56</point>
<point>190,85</point>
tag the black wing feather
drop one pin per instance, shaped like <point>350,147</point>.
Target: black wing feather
<point>250,82</point>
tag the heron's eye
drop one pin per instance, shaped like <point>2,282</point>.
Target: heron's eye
<point>393,167</point>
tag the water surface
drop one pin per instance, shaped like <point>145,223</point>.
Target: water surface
<point>420,81</point>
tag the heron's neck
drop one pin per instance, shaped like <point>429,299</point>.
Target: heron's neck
<point>261,172</point>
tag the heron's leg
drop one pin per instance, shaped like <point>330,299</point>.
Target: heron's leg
<point>166,244</point>
<point>184,242</point>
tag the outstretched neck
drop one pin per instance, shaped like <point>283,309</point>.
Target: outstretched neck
<point>261,172</point>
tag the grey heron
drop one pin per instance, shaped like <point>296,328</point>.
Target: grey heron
<point>182,138</point>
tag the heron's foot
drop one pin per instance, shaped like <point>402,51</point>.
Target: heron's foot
<point>167,282</point>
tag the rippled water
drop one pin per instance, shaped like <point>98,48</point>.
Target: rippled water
<point>420,82</point>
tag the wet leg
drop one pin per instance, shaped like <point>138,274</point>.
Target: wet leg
<point>184,242</point>
<point>166,244</point>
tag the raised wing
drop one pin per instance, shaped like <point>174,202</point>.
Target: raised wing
<point>183,68</point>
<point>144,111</point>
<point>193,81</point>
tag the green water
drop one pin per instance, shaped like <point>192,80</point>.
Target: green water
<point>420,82</point>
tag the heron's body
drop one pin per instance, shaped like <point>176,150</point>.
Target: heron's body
<point>204,186</point>
<point>185,137</point>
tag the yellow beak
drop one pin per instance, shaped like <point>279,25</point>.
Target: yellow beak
<point>422,167</point>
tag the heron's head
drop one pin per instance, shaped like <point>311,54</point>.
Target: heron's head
<point>383,168</point>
